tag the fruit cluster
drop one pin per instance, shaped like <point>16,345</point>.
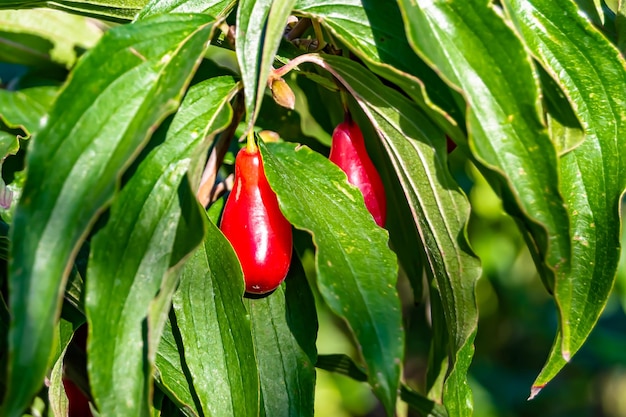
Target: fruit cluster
<point>256,228</point>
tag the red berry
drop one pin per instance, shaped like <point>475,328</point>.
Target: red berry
<point>77,401</point>
<point>450,145</point>
<point>348,152</point>
<point>255,226</point>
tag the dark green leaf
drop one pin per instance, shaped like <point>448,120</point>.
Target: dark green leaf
<point>96,127</point>
<point>314,195</point>
<point>373,30</point>
<point>592,74</point>
<point>563,125</point>
<point>140,239</point>
<point>284,326</point>
<point>172,374</point>
<point>260,27</point>
<point>215,330</point>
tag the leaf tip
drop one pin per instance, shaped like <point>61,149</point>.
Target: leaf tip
<point>566,355</point>
<point>535,390</point>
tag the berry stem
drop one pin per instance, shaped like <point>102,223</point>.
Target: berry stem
<point>250,144</point>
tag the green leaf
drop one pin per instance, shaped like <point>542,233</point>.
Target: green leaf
<point>25,109</point>
<point>114,10</point>
<point>56,392</point>
<point>140,238</point>
<point>373,30</point>
<point>140,72</point>
<point>43,36</point>
<point>284,327</point>
<point>563,125</point>
<point>417,150</point>
<point>260,27</point>
<point>217,8</point>
<point>314,195</point>
<point>620,26</point>
<point>440,210</point>
<point>592,74</point>
<point>172,374</point>
<point>215,329</point>
<point>477,52</point>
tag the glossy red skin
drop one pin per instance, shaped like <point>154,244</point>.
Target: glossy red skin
<point>348,152</point>
<point>255,226</point>
<point>78,404</point>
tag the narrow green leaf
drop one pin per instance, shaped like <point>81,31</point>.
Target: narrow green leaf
<point>284,327</point>
<point>172,374</point>
<point>44,36</point>
<point>476,51</point>
<point>215,329</point>
<point>56,392</point>
<point>140,240</point>
<point>373,30</point>
<point>592,74</point>
<point>440,211</point>
<point>260,28</point>
<point>217,8</point>
<point>114,10</point>
<point>74,166</point>
<point>314,195</point>
<point>620,26</point>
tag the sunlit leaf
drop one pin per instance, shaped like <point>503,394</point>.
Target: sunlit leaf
<point>140,238</point>
<point>95,128</point>
<point>314,195</point>
<point>592,74</point>
<point>217,8</point>
<point>260,27</point>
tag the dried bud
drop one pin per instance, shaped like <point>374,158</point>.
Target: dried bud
<point>269,136</point>
<point>282,93</point>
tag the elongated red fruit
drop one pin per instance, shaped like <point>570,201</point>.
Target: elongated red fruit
<point>255,226</point>
<point>348,152</point>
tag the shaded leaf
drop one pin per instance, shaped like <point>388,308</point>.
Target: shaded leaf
<point>215,330</point>
<point>592,74</point>
<point>74,166</point>
<point>172,374</point>
<point>284,327</point>
<point>314,195</point>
